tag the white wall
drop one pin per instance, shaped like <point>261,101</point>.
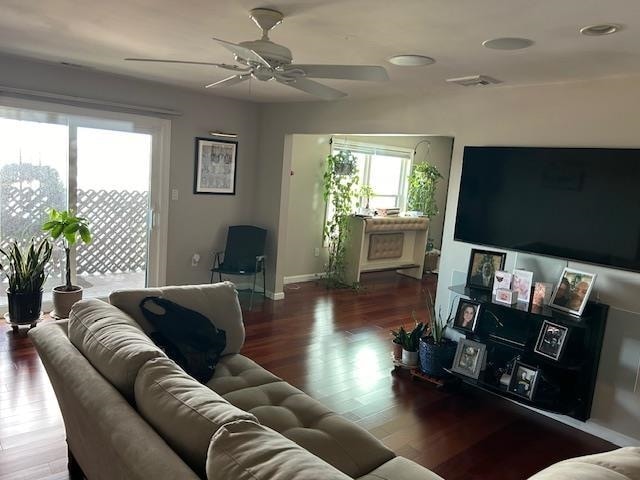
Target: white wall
<point>594,113</point>
<point>306,205</point>
<point>197,223</point>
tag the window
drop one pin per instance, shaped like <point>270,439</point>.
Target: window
<point>383,168</point>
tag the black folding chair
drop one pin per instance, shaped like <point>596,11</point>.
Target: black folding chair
<point>243,255</point>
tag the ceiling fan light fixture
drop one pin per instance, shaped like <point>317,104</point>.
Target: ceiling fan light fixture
<point>600,29</point>
<point>411,60</point>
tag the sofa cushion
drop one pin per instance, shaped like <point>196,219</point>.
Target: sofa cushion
<point>183,411</point>
<point>245,450</point>
<point>112,342</point>
<point>620,464</point>
<point>401,469</point>
<point>218,302</point>
<point>314,427</point>
<point>235,372</point>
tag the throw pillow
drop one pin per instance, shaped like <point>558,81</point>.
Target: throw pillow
<point>186,336</point>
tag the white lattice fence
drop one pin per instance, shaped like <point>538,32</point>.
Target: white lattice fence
<point>118,221</point>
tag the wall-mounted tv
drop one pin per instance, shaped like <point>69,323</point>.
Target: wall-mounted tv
<point>581,204</point>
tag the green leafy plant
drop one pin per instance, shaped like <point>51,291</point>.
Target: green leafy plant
<point>409,339</point>
<point>437,326</point>
<point>72,229</point>
<point>365,192</point>
<point>399,336</point>
<point>26,271</point>
<point>423,181</point>
<point>339,191</point>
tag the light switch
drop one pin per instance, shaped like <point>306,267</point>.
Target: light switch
<point>174,194</point>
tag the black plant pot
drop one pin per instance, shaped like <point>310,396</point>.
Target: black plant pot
<point>24,307</point>
<point>435,358</point>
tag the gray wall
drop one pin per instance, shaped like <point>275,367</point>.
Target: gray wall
<point>592,113</point>
<point>197,223</point>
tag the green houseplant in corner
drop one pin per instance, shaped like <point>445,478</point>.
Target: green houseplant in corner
<point>72,229</point>
<point>410,343</point>
<point>423,181</point>
<point>26,275</point>
<point>436,351</point>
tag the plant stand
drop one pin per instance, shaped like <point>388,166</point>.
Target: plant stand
<point>16,326</point>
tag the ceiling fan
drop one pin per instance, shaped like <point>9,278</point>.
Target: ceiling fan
<point>265,60</point>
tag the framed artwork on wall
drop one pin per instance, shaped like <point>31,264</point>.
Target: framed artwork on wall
<point>215,168</point>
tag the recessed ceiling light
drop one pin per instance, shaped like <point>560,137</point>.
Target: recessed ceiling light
<point>411,60</point>
<point>507,43</point>
<point>601,29</point>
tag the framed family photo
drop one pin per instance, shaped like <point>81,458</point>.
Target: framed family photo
<point>573,290</point>
<point>467,315</point>
<point>523,380</point>
<point>469,359</point>
<point>483,264</point>
<point>551,340</point>
<point>216,165</point>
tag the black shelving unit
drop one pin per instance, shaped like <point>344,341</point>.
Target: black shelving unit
<point>564,386</point>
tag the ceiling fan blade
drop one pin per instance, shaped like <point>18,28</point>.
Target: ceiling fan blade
<point>227,82</point>
<point>242,52</point>
<point>219,65</point>
<point>371,73</point>
<point>314,88</point>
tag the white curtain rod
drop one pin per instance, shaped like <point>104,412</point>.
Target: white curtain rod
<point>86,101</point>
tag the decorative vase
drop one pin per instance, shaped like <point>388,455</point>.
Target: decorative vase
<point>24,307</point>
<point>434,358</point>
<point>63,300</point>
<point>410,359</point>
<point>397,351</point>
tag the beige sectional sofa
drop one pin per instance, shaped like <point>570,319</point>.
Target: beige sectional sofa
<point>132,413</point>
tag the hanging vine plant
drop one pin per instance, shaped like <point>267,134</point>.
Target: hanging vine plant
<point>423,181</point>
<point>340,180</point>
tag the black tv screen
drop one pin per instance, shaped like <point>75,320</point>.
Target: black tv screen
<point>576,203</point>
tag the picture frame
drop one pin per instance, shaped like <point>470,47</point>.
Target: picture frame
<point>572,291</point>
<point>521,283</point>
<point>467,315</point>
<point>501,279</point>
<point>482,266</point>
<point>216,163</point>
<point>551,340</point>
<point>470,358</point>
<point>524,380</point>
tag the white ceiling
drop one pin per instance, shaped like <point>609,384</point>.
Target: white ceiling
<point>100,34</point>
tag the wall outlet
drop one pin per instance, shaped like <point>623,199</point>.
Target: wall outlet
<point>195,260</point>
<point>316,252</point>
<point>174,194</point>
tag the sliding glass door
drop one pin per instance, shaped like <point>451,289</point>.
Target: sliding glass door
<point>104,167</point>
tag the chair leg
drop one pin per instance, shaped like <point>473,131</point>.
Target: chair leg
<point>253,289</point>
<point>264,282</point>
<point>220,276</point>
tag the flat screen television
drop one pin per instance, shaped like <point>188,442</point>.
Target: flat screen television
<point>581,204</point>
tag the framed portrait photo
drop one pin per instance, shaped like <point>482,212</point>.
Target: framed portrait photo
<point>551,340</point>
<point>469,359</point>
<point>523,380</point>
<point>521,283</point>
<point>467,315</point>
<point>483,264</point>
<point>573,290</point>
<point>216,165</point>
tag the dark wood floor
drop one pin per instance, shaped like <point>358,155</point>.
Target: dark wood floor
<point>335,346</point>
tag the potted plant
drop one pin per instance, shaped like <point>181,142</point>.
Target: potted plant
<point>339,192</point>
<point>26,276</point>
<point>436,351</point>
<point>72,229</point>
<point>398,339</point>
<point>410,343</point>
<point>423,181</point>
<point>344,163</point>
<point>365,193</point>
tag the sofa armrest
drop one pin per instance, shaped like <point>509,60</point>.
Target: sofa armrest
<point>620,464</point>
<point>105,434</point>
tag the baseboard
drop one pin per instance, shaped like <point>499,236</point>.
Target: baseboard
<point>275,296</point>
<point>308,277</point>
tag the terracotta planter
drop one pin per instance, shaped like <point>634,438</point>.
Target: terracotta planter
<point>410,359</point>
<point>24,308</point>
<point>63,300</point>
<point>397,351</point>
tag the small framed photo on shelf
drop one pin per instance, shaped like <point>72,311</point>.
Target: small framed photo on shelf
<point>508,297</point>
<point>522,281</point>
<point>541,294</point>
<point>523,380</point>
<point>483,264</point>
<point>551,340</point>
<point>470,358</point>
<point>501,279</point>
<point>573,290</point>
<point>215,169</point>
<point>467,315</point>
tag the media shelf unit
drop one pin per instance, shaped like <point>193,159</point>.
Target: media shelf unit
<point>565,386</point>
